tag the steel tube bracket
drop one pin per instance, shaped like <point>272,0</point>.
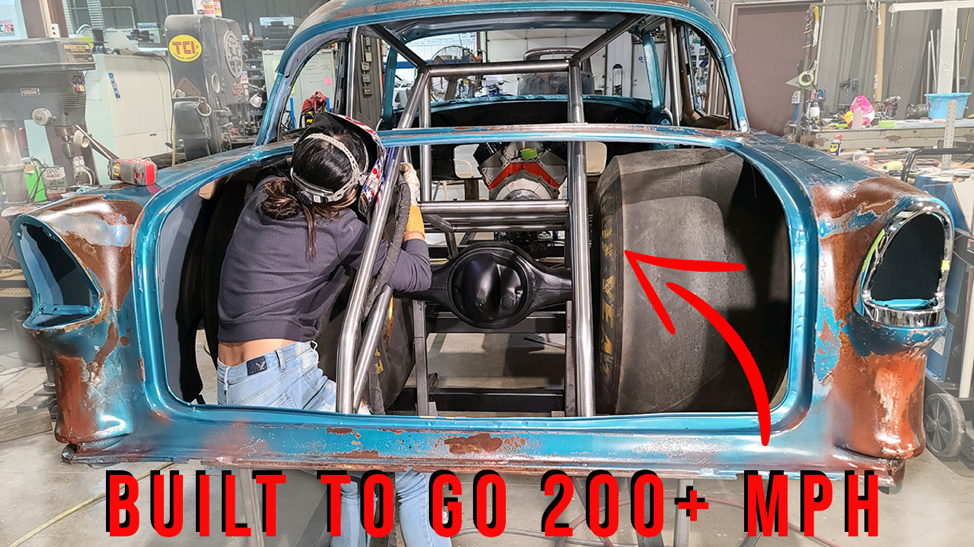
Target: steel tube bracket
<point>479,208</point>
<point>348,340</point>
<point>681,526</point>
<point>506,67</point>
<point>397,44</point>
<point>425,151</point>
<point>674,54</point>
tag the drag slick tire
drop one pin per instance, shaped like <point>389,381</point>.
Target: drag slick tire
<point>692,204</point>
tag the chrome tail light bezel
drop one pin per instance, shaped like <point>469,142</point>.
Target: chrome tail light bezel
<point>931,314</point>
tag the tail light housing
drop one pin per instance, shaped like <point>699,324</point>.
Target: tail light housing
<point>63,292</point>
<point>904,276</point>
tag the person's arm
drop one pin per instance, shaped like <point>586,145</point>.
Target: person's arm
<point>412,272</point>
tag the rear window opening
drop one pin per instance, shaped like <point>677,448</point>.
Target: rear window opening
<point>513,69</point>
<point>685,203</point>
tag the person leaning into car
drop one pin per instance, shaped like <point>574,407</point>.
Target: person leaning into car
<point>297,235</point>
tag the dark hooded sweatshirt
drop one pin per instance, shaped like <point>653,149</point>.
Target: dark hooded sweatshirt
<point>270,286</point>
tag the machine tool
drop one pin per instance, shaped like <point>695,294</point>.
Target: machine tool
<point>41,79</point>
<point>139,171</point>
<point>206,54</point>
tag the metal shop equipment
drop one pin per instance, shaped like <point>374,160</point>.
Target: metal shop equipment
<point>276,32</point>
<point>206,55</point>
<point>949,398</point>
<point>41,79</point>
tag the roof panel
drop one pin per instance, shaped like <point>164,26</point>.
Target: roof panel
<point>336,10</point>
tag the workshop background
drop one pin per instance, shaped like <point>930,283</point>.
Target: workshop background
<point>883,84</point>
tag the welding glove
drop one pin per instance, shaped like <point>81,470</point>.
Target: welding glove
<point>415,222</point>
<point>409,173</point>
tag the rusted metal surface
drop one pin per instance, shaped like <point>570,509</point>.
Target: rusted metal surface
<point>77,418</point>
<point>876,389</point>
<point>99,234</point>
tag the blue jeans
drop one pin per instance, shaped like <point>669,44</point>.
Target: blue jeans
<point>290,378</point>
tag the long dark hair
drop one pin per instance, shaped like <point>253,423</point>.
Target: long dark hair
<point>321,164</point>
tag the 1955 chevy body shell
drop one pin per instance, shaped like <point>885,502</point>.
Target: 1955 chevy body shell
<point>854,388</point>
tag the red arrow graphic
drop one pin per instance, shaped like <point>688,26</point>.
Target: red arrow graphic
<point>733,339</point>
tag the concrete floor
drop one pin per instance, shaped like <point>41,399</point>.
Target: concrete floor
<point>934,507</point>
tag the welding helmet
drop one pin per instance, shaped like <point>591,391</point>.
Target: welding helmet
<point>368,177</point>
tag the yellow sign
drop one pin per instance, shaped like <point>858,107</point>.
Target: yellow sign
<point>185,48</point>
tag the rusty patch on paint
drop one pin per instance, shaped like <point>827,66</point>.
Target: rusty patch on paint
<point>76,418</point>
<point>876,400</point>
<point>515,442</point>
<point>161,417</point>
<point>79,387</point>
<point>339,430</point>
<point>99,234</point>
<point>475,444</point>
<point>358,454</point>
<point>111,265</point>
<point>879,410</point>
<point>874,195</point>
<point>111,341</point>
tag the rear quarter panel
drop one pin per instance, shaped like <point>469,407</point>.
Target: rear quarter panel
<point>852,403</point>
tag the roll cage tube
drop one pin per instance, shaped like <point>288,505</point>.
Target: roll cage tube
<point>353,358</point>
<point>326,31</point>
<point>347,354</point>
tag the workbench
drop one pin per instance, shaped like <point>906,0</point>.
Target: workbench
<point>906,134</point>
